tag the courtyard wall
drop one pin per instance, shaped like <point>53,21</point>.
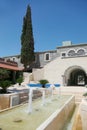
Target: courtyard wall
<point>55,70</point>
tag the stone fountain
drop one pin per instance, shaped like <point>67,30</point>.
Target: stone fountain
<point>16,118</point>
<point>50,89</point>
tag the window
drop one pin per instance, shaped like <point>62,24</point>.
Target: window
<point>71,53</point>
<point>13,59</point>
<point>63,54</point>
<point>47,56</point>
<point>80,52</point>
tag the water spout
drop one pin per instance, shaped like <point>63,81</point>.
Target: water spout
<point>30,101</point>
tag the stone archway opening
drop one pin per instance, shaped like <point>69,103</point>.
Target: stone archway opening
<point>75,76</point>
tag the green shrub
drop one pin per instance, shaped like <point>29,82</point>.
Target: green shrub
<point>85,94</point>
<point>43,82</point>
<point>20,80</point>
<point>5,84</point>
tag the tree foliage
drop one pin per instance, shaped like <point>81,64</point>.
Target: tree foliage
<point>4,74</point>
<point>4,85</point>
<point>27,40</point>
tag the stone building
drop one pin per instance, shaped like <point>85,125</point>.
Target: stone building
<point>66,65</point>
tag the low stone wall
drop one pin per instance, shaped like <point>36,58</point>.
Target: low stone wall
<point>60,117</point>
<point>77,125</point>
<point>36,94</point>
<point>83,113</point>
<point>4,101</point>
<point>23,97</point>
<point>71,90</point>
<point>13,99</point>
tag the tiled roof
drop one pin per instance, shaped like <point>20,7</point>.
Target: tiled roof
<point>16,68</point>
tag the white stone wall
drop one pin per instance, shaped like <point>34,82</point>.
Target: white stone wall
<point>83,113</point>
<point>54,70</point>
<point>16,59</point>
<point>38,74</point>
<point>58,119</point>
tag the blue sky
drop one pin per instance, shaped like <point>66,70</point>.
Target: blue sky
<point>53,21</point>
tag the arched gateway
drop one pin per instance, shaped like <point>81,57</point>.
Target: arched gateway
<point>75,76</point>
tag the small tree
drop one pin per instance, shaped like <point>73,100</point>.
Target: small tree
<point>27,40</point>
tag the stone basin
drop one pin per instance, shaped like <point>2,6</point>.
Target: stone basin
<point>37,119</point>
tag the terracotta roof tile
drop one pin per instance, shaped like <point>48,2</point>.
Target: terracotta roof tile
<point>10,67</point>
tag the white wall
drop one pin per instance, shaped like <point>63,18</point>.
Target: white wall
<point>54,70</point>
<point>38,74</point>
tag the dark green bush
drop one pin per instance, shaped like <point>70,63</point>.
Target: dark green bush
<point>43,82</point>
<point>85,94</point>
<point>20,80</point>
<point>4,85</point>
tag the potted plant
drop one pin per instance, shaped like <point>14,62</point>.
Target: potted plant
<point>43,82</point>
<point>4,85</point>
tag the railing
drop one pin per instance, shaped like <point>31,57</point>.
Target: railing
<point>8,62</point>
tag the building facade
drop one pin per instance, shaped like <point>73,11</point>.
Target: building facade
<point>66,65</point>
<point>70,68</point>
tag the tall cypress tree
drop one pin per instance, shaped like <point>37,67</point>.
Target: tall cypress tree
<point>27,40</point>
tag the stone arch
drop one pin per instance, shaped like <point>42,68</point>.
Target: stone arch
<point>81,51</point>
<point>75,76</point>
<point>71,53</point>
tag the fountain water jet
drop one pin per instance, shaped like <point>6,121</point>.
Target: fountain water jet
<point>51,88</point>
<point>30,101</point>
<point>43,97</point>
